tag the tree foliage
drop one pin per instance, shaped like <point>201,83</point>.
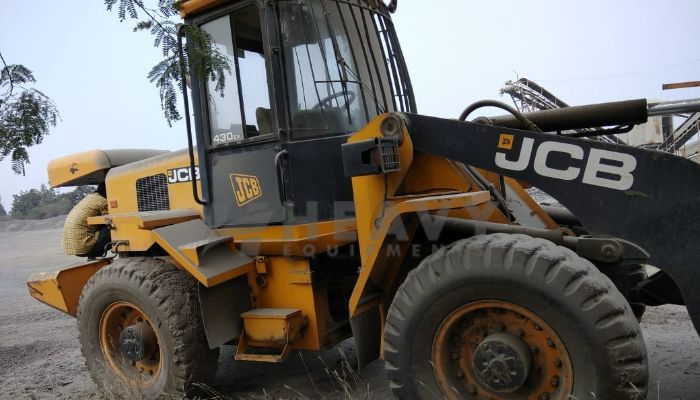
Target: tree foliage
<point>46,202</point>
<point>26,114</point>
<point>2,210</point>
<point>200,57</point>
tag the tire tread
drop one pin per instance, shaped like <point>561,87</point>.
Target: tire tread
<point>556,267</point>
<point>174,292</point>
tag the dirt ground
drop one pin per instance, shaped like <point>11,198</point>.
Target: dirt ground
<point>40,358</point>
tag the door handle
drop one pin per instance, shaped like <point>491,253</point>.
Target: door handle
<point>279,169</point>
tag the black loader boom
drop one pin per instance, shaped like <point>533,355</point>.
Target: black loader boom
<point>649,199</point>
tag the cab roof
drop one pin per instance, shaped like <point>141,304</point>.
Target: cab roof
<point>191,7</point>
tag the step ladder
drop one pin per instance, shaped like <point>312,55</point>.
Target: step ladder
<point>208,256</point>
<point>269,329</point>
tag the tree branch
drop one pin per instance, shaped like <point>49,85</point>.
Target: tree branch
<point>145,10</point>
<point>9,76</point>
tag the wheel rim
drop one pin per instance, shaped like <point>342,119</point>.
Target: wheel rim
<point>484,341</point>
<point>144,367</point>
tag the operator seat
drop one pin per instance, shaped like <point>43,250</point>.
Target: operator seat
<point>264,118</point>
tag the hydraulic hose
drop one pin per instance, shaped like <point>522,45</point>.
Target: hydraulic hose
<point>522,120</point>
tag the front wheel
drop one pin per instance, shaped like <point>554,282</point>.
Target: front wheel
<point>512,317</point>
<point>141,331</point>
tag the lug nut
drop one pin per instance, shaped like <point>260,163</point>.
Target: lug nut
<point>550,342</point>
<point>537,327</point>
<point>534,349</point>
<point>500,327</point>
<point>608,250</point>
<point>520,332</point>
<point>557,363</point>
<point>555,381</point>
<point>544,396</point>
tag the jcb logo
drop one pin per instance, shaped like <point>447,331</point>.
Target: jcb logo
<point>604,168</point>
<point>177,175</point>
<point>246,188</point>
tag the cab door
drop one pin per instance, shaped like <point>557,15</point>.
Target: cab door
<point>237,139</point>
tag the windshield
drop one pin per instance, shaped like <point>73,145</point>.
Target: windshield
<point>343,66</point>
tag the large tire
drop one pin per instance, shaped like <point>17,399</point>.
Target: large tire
<point>150,289</point>
<point>626,278</point>
<point>603,344</point>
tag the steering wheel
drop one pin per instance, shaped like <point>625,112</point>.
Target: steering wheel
<point>327,102</point>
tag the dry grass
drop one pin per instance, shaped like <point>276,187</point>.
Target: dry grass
<point>344,383</point>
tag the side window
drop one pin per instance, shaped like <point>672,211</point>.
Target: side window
<point>244,109</point>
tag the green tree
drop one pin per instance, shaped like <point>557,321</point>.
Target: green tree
<point>46,202</point>
<point>28,200</point>
<point>161,19</point>
<point>26,114</point>
<point>2,209</point>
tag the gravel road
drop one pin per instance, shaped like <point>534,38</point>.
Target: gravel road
<point>40,358</point>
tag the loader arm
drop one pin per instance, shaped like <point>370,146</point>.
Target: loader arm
<point>647,197</point>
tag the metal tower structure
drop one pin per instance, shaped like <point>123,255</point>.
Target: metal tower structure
<point>685,131</point>
<point>528,96</point>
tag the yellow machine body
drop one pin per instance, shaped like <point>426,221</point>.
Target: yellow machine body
<point>276,259</point>
<point>278,264</point>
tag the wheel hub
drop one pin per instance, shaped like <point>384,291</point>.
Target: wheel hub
<point>492,349</point>
<point>130,344</point>
<point>502,362</point>
<point>137,341</point>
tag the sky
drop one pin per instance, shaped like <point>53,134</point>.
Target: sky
<point>94,67</point>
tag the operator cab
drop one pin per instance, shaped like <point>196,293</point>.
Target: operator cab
<point>304,76</point>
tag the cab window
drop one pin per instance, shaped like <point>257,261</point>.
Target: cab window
<point>243,112</point>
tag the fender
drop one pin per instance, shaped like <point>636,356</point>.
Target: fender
<point>386,223</point>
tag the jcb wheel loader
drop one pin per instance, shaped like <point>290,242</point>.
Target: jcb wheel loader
<point>318,205</point>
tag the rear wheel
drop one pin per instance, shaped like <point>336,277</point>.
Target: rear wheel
<point>141,331</point>
<point>512,317</point>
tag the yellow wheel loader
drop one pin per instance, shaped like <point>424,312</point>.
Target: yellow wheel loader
<point>314,204</point>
